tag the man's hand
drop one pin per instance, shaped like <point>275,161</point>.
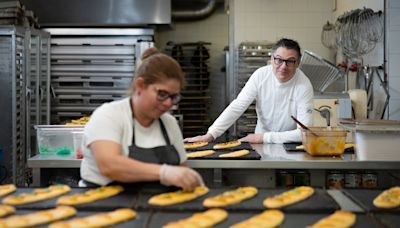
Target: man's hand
<point>201,138</point>
<point>253,138</point>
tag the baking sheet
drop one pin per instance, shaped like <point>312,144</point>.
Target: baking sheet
<point>253,155</point>
<point>291,147</point>
<point>365,197</point>
<point>209,146</point>
<point>140,220</point>
<point>124,199</point>
<point>389,220</point>
<point>320,201</point>
<point>291,219</point>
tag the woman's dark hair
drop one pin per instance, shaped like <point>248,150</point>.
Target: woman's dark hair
<point>158,67</point>
<point>288,44</point>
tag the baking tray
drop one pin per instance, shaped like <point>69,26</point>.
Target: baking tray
<point>291,147</point>
<point>319,202</point>
<point>124,199</point>
<point>253,155</point>
<point>140,221</point>
<point>365,197</point>
<point>159,219</point>
<point>388,220</point>
<point>209,146</point>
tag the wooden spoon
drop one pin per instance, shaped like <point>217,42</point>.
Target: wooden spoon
<point>303,126</point>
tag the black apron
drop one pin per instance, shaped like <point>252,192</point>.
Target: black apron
<point>159,155</point>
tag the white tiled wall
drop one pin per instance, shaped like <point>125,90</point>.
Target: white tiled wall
<point>393,56</point>
<point>271,20</point>
<point>212,29</point>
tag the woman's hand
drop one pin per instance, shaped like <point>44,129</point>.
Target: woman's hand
<point>253,138</point>
<point>201,138</point>
<point>180,176</point>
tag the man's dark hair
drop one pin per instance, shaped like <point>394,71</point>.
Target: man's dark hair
<point>288,44</point>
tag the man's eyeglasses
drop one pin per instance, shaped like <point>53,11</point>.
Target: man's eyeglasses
<point>163,95</point>
<point>288,62</point>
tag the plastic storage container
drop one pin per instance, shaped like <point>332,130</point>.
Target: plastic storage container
<point>78,146</point>
<point>376,140</point>
<point>323,141</point>
<point>56,139</point>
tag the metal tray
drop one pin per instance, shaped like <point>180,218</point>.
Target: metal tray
<point>209,146</point>
<point>365,197</point>
<point>159,219</point>
<point>253,155</point>
<point>124,199</point>
<point>388,220</point>
<point>140,221</point>
<point>318,203</point>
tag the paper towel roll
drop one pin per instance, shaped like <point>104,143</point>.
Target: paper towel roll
<point>358,99</point>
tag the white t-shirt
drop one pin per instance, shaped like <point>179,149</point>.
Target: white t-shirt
<point>113,121</point>
<point>275,103</point>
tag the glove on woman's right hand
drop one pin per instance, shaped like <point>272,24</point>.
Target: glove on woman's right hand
<point>180,176</point>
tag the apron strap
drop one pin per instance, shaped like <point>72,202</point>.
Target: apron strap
<point>162,126</point>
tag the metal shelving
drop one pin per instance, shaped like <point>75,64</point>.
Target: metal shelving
<point>193,109</point>
<point>250,57</point>
<point>24,79</point>
<point>92,66</point>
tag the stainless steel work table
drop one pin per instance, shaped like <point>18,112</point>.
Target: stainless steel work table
<point>273,156</point>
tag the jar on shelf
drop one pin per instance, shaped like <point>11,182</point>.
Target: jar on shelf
<point>352,179</point>
<point>369,180</point>
<point>284,178</point>
<point>335,179</point>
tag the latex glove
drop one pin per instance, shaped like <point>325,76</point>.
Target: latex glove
<point>253,138</point>
<point>180,176</point>
<point>201,138</point>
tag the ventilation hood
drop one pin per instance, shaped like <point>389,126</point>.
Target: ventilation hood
<point>100,13</point>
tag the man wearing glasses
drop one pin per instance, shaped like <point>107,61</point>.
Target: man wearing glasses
<point>280,90</point>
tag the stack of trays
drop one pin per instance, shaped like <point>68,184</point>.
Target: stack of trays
<point>89,71</point>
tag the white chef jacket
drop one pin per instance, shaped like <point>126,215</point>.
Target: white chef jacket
<point>275,103</point>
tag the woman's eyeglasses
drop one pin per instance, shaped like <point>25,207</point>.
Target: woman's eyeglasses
<point>163,95</point>
<point>288,62</point>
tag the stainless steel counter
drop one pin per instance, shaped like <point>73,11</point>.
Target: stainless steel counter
<point>259,173</point>
<point>273,156</point>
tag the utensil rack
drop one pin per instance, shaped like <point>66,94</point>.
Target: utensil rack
<point>320,72</point>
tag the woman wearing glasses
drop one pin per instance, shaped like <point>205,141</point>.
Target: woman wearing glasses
<point>135,139</point>
<point>280,90</point>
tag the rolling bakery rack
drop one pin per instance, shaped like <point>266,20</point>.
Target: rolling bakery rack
<point>250,57</point>
<point>192,111</point>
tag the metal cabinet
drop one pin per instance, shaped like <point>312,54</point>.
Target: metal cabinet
<point>21,80</point>
<point>92,66</point>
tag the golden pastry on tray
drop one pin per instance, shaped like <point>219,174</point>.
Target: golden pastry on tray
<point>389,198</point>
<point>208,218</point>
<point>37,195</point>
<point>180,196</point>
<point>194,145</point>
<point>227,145</point>
<point>269,218</point>
<point>289,197</point>
<point>90,195</point>
<point>231,197</point>
<point>340,219</point>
